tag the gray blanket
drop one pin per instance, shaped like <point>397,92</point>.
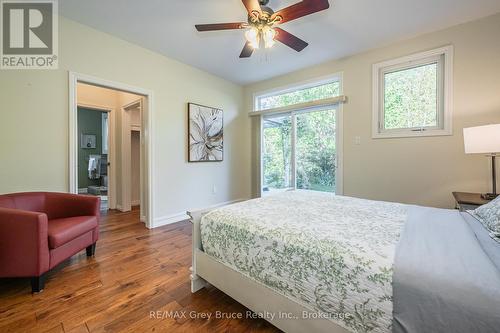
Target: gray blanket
<point>443,279</point>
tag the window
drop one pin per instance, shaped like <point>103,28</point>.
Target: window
<point>412,95</point>
<point>299,147</point>
<point>316,152</point>
<point>277,152</point>
<point>292,96</point>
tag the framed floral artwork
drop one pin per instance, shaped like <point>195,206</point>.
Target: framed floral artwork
<point>206,133</point>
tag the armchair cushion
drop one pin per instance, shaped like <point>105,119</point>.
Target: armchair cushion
<point>61,205</point>
<point>64,230</point>
<point>28,201</point>
<point>7,202</point>
<point>33,202</point>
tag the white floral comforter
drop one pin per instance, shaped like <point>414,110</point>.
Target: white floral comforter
<point>333,254</point>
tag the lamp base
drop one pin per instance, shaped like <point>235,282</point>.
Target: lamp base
<point>489,196</point>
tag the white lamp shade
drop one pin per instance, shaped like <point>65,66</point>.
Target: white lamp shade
<point>482,139</point>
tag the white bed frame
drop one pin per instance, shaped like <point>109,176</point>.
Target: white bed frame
<point>255,296</point>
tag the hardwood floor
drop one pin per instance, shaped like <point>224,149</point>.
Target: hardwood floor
<point>136,273</point>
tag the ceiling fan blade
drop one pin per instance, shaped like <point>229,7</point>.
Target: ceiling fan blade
<point>303,8</point>
<point>220,26</point>
<point>247,51</point>
<point>290,40</point>
<point>251,5</point>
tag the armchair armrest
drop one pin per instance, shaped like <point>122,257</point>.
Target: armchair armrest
<point>60,205</point>
<point>24,249</point>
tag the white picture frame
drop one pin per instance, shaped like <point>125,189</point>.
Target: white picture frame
<point>88,141</point>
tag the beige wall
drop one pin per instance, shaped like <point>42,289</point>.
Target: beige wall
<point>412,170</point>
<point>34,121</point>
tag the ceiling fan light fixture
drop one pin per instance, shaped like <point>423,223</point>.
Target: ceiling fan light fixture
<point>252,35</point>
<point>268,34</point>
<point>261,26</point>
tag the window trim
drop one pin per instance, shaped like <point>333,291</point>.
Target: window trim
<point>444,58</point>
<point>339,138</point>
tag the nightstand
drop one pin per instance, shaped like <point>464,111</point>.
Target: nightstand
<point>468,201</point>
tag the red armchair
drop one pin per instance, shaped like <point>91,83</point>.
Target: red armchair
<point>40,230</point>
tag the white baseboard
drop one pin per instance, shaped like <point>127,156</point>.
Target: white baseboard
<point>164,220</point>
<point>174,218</point>
<point>217,205</point>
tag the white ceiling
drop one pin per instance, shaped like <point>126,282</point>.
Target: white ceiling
<point>348,27</point>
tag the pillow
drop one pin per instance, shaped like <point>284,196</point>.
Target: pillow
<point>489,215</point>
<point>490,245</point>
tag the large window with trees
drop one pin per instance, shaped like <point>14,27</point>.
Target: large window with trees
<point>315,150</point>
<point>277,152</point>
<point>296,95</point>
<point>299,148</point>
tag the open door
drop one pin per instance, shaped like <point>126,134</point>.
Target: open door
<point>133,125</point>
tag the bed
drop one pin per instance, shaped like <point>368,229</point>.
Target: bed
<point>317,262</point>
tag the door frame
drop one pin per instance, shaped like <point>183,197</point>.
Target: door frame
<point>148,133</point>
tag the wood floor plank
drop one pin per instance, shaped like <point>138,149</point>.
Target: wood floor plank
<point>78,329</point>
<point>135,274</point>
<point>56,329</point>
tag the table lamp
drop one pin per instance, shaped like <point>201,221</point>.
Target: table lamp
<point>484,140</point>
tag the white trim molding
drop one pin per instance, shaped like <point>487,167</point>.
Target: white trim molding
<point>339,142</point>
<point>217,205</point>
<point>148,132</point>
<point>169,219</point>
<point>442,56</point>
<point>174,218</point>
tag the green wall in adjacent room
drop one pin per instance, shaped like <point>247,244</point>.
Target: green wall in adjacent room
<point>89,122</point>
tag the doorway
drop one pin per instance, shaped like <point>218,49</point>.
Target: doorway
<point>94,153</point>
<point>132,151</point>
<point>113,161</point>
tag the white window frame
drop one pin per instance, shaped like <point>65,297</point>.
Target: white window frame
<point>443,56</point>
<point>337,77</point>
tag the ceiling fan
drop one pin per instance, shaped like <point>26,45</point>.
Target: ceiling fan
<point>262,21</point>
